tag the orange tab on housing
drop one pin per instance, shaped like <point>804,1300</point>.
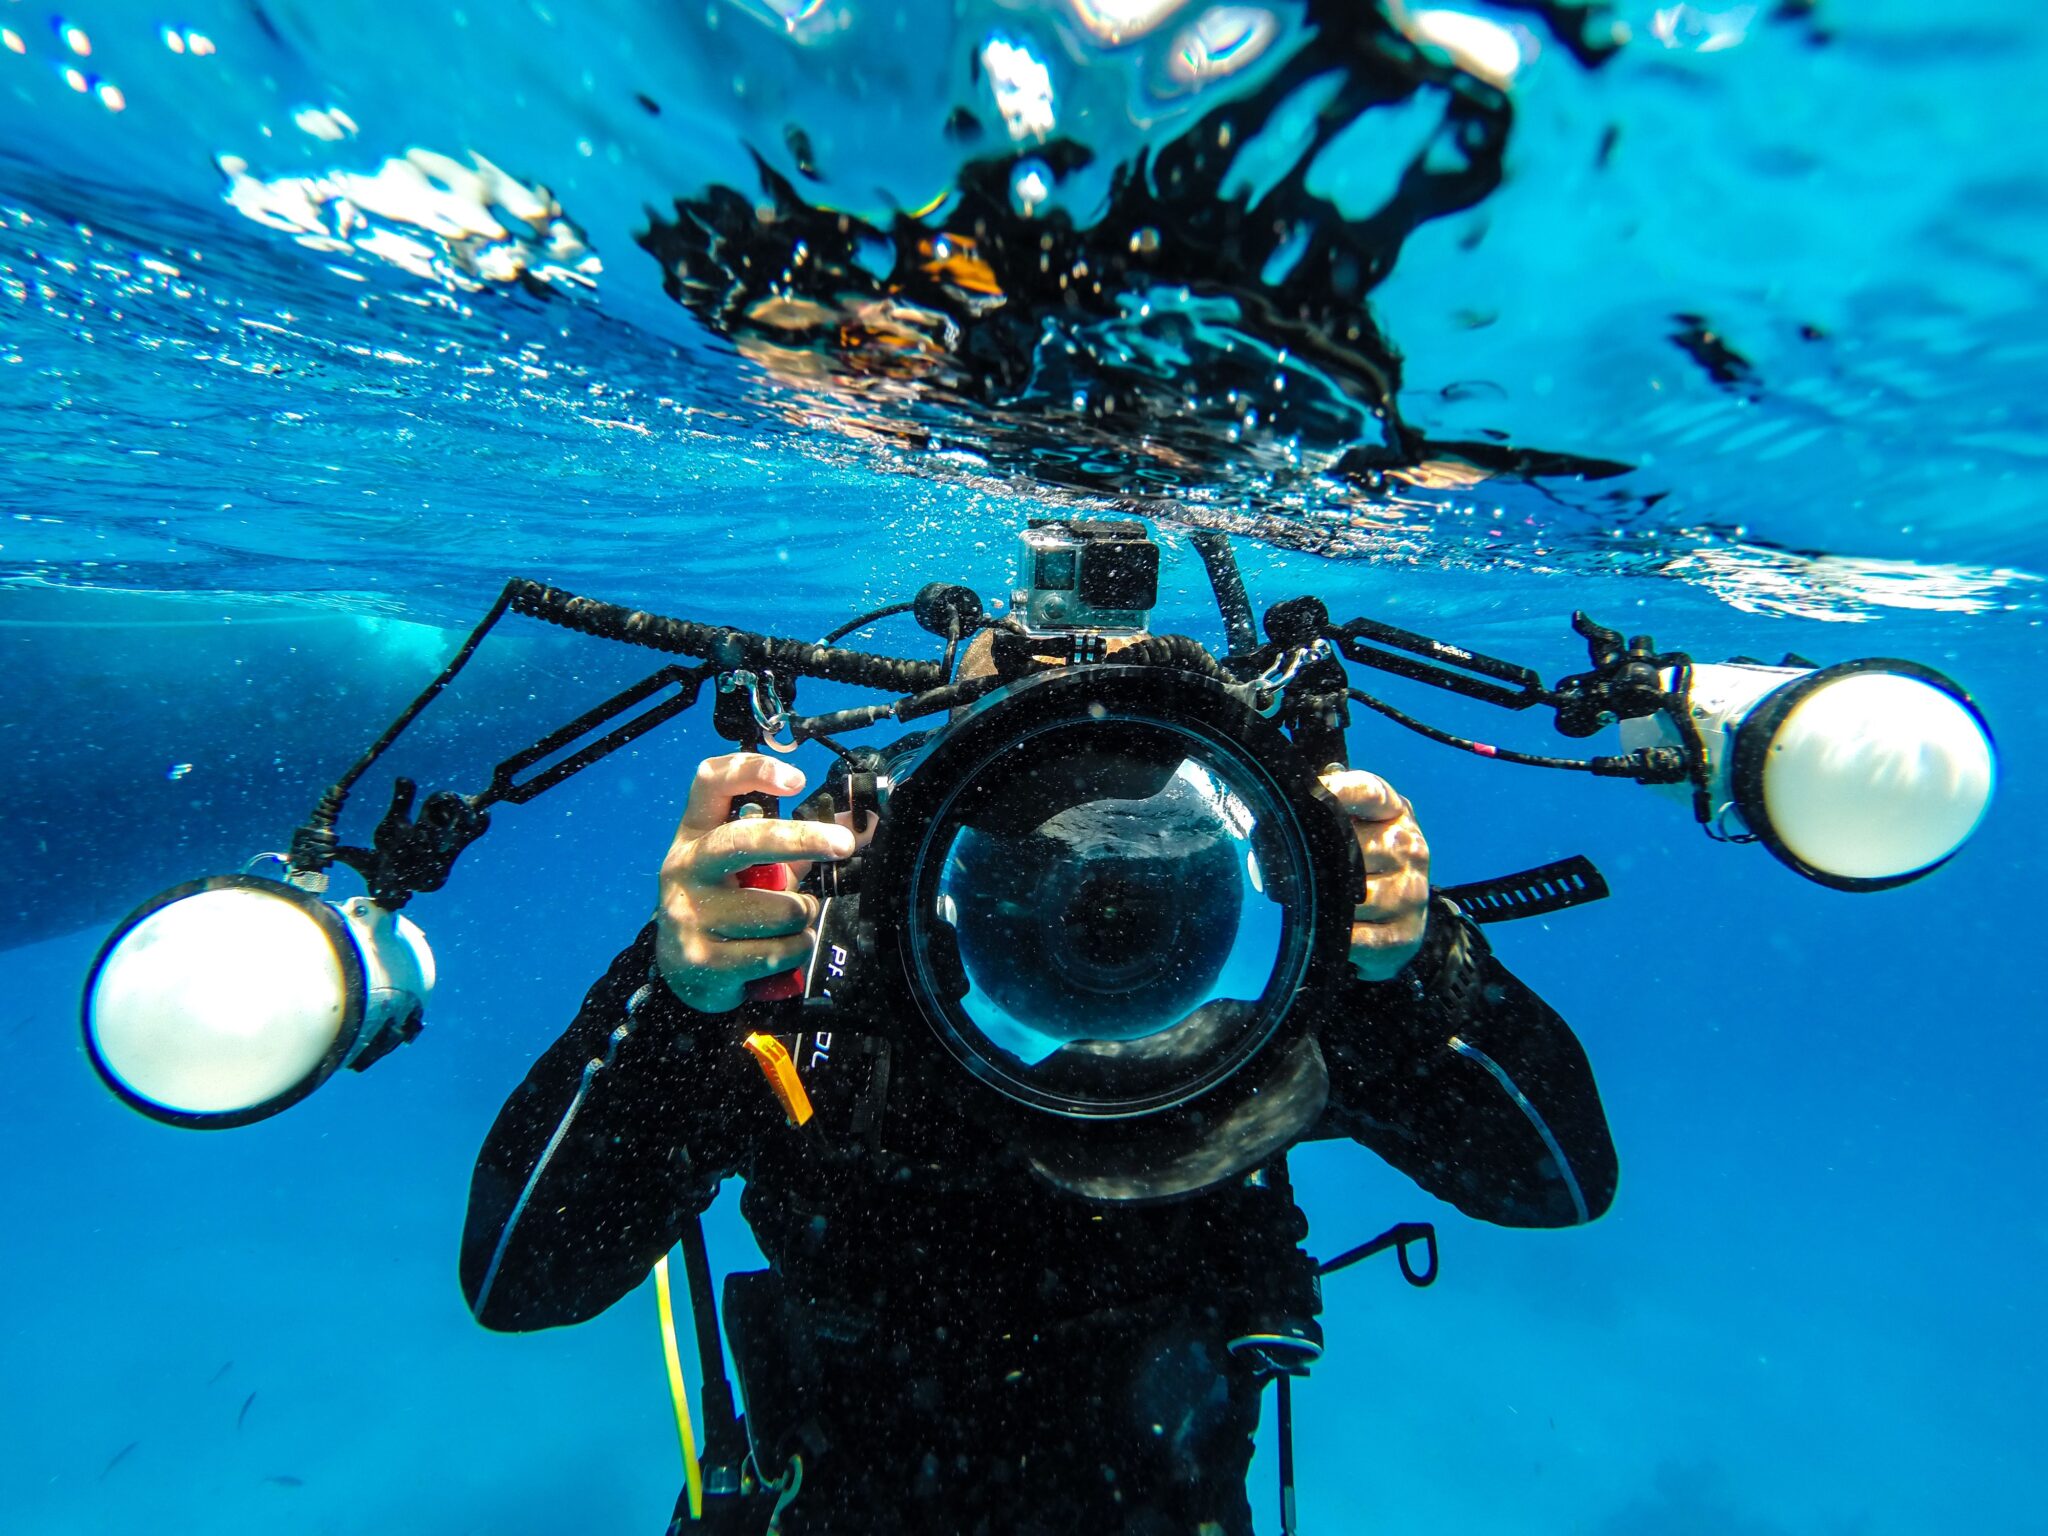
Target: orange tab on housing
<point>780,1070</point>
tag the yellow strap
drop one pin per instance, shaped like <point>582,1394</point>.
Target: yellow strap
<point>693,1474</point>
<point>780,1071</point>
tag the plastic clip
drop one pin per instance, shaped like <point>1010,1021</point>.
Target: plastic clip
<point>1269,688</point>
<point>770,714</point>
<point>1427,1274</point>
<point>780,1070</point>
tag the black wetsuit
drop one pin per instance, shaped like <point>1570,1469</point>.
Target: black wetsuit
<point>955,1345</point>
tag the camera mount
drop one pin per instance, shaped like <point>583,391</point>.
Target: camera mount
<point>1296,676</point>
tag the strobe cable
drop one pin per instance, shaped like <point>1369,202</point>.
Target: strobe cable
<point>886,611</point>
<point>427,695</point>
<point>1227,584</point>
<point>1649,765</point>
<point>930,702</point>
<point>315,845</point>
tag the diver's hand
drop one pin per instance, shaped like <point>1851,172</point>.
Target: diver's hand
<point>712,936</point>
<point>1387,927</point>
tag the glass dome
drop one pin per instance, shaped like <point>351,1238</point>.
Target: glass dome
<point>1110,914</point>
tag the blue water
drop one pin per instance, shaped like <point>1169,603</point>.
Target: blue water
<point>258,472</point>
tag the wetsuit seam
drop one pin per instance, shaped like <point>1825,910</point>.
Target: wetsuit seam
<point>1536,1122</point>
<point>591,1068</point>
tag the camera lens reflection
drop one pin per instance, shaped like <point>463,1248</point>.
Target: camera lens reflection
<point>1110,900</point>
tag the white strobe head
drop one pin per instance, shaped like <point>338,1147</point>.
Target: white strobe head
<point>224,1001</point>
<point>1864,775</point>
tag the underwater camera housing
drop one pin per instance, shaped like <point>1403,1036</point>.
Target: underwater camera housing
<point>1118,898</point>
<point>1077,574</point>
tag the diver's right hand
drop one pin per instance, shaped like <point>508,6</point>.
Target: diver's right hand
<point>712,936</point>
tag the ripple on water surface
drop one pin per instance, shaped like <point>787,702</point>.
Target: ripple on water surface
<point>1545,288</point>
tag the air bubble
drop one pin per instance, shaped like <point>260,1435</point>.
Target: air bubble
<point>1030,186</point>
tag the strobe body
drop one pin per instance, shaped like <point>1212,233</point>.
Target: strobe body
<point>1860,776</point>
<point>227,1000</point>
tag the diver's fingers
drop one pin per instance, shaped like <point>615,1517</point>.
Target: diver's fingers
<point>1379,861</point>
<point>753,914</point>
<point>862,836</point>
<point>721,780</point>
<point>1388,927</point>
<point>1365,796</point>
<point>733,846</point>
<point>1379,951</point>
<point>1393,899</point>
<point>1391,847</point>
<point>707,973</point>
<point>1405,935</point>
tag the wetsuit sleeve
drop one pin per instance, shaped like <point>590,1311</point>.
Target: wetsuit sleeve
<point>1465,1080</point>
<point>620,1133</point>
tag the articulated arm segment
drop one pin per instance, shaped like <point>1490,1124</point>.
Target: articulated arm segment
<point>1406,654</point>
<point>717,642</point>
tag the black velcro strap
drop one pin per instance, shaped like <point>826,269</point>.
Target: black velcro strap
<point>1569,882</point>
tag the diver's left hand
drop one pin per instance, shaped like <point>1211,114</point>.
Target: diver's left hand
<point>1387,927</point>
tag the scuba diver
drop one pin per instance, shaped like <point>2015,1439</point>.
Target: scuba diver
<point>1010,1027</point>
<point>958,1332</point>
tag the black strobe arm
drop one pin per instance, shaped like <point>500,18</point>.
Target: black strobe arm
<point>1443,652</point>
<point>1228,584</point>
<point>688,681</point>
<point>720,643</point>
<point>1432,662</point>
<point>413,855</point>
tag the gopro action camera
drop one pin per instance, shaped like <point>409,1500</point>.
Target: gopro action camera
<point>1074,574</point>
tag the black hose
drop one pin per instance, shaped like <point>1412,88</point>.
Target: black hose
<point>1397,1237</point>
<point>1465,743</point>
<point>718,642</point>
<point>1228,585</point>
<point>427,695</point>
<point>887,611</point>
<point>724,1444</point>
<point>1183,651</point>
<point>1283,1391</point>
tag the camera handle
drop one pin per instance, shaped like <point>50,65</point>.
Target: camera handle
<point>752,708</point>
